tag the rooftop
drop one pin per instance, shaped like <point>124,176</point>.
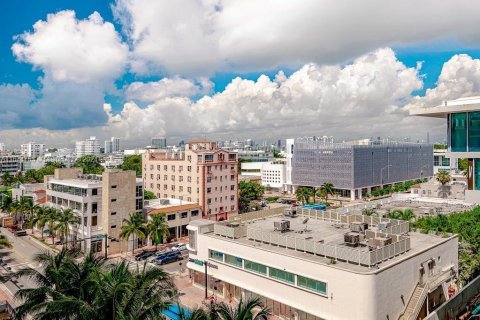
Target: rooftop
<point>168,205</point>
<point>452,106</point>
<point>322,237</point>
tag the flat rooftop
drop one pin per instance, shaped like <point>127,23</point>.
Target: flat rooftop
<point>330,233</point>
<point>167,205</point>
<point>79,183</point>
<point>452,106</point>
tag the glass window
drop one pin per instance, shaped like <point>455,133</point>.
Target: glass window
<point>235,261</point>
<point>256,267</point>
<point>474,131</point>
<point>476,170</point>
<point>282,275</point>
<point>310,284</point>
<point>215,255</point>
<point>436,161</point>
<point>94,220</point>
<point>171,217</point>
<point>94,192</point>
<point>458,133</point>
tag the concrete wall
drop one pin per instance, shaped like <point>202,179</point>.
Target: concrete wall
<point>472,196</point>
<point>67,173</point>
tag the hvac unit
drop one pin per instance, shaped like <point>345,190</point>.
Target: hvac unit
<point>382,226</point>
<point>359,227</point>
<point>351,239</point>
<point>290,212</point>
<point>282,225</point>
<point>380,242</point>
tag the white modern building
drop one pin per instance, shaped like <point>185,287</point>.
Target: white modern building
<point>100,202</point>
<point>441,162</point>
<point>87,147</point>
<point>324,265</point>
<point>273,173</point>
<point>63,155</point>
<point>32,150</point>
<point>112,145</point>
<point>288,170</point>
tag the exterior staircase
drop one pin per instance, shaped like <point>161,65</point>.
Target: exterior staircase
<point>415,303</point>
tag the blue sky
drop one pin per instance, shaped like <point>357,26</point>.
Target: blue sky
<point>190,49</point>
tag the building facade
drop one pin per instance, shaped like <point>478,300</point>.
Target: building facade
<point>100,202</point>
<point>10,163</point>
<point>463,136</point>
<point>355,169</point>
<point>203,173</point>
<point>32,150</point>
<point>328,268</point>
<point>441,162</point>
<point>159,143</point>
<point>90,146</point>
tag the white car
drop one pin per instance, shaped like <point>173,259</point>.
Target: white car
<point>179,247</point>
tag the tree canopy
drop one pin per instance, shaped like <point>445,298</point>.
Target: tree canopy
<point>133,162</point>
<point>248,191</point>
<point>90,164</point>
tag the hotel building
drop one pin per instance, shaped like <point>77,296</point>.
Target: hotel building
<point>324,265</point>
<point>463,136</point>
<point>202,173</point>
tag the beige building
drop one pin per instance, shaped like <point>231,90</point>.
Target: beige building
<point>203,173</point>
<point>101,202</point>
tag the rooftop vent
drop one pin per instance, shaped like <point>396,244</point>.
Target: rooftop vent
<point>359,227</point>
<point>282,225</point>
<point>290,212</point>
<point>380,242</point>
<point>351,239</point>
<point>382,226</point>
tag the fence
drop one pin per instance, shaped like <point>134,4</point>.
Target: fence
<point>362,256</point>
<point>254,215</point>
<point>234,232</point>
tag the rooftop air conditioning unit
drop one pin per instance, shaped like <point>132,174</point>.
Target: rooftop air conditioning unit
<point>351,239</point>
<point>359,227</point>
<point>382,226</point>
<point>290,212</point>
<point>380,242</point>
<point>282,225</point>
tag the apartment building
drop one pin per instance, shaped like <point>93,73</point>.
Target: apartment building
<point>101,202</point>
<point>32,150</point>
<point>159,143</point>
<point>112,145</point>
<point>202,173</point>
<point>87,147</point>
<point>3,148</point>
<point>10,163</point>
<point>463,136</point>
<point>312,265</point>
<point>356,168</point>
<point>177,213</point>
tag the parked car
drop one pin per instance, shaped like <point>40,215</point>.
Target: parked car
<point>179,247</point>
<point>144,255</point>
<point>157,254</point>
<point>170,257</point>
<point>20,233</point>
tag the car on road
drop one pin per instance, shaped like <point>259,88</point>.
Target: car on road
<point>169,257</point>
<point>179,247</point>
<point>20,233</point>
<point>144,255</point>
<point>156,255</point>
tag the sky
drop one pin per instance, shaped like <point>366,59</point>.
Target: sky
<point>233,69</point>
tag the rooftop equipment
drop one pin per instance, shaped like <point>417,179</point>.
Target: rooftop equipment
<point>282,225</point>
<point>382,226</point>
<point>359,227</point>
<point>290,212</point>
<point>351,239</point>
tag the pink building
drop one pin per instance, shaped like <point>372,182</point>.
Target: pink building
<point>203,173</point>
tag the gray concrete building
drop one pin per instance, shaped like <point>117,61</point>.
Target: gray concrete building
<point>354,169</point>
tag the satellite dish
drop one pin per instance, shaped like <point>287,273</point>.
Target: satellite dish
<point>305,220</point>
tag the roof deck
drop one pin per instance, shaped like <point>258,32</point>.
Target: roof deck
<point>468,104</point>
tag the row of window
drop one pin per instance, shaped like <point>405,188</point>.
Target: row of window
<point>441,161</point>
<point>270,272</point>
<point>465,131</point>
<point>221,209</point>
<point>232,198</point>
<point>183,215</point>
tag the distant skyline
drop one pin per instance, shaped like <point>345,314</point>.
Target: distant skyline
<point>136,69</point>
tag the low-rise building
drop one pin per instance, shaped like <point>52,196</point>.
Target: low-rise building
<point>308,264</point>
<point>28,190</point>
<point>441,162</point>
<point>100,202</point>
<point>178,214</point>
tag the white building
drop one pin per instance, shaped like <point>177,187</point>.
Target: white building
<point>64,155</point>
<point>441,162</point>
<point>3,148</point>
<point>89,146</point>
<point>330,266</point>
<point>288,170</point>
<point>112,145</point>
<point>32,150</point>
<point>272,173</point>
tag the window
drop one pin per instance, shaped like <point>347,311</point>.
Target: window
<point>94,207</point>
<point>209,201</point>
<point>180,178</point>
<point>113,200</point>
<point>189,189</point>
<point>189,168</point>
<point>138,204</point>
<point>256,267</point>
<point>194,213</point>
<point>114,187</point>
<point>165,167</point>
<point>209,157</point>
<point>232,157</point>
<point>171,217</point>
<point>474,131</point>
<point>180,189</point>
<point>192,239</point>
<point>232,198</point>
<point>232,177</point>
<point>158,167</point>
<point>173,177</point>
<point>232,208</point>
<point>113,226</point>
<point>189,179</point>
<point>85,221</point>
<point>215,255</point>
<point>282,275</point>
<point>209,190</point>
<point>234,261</point>
<point>165,177</point>
<point>232,187</point>
<point>310,284</point>
<point>94,221</point>
<point>458,132</point>
<point>139,191</point>
<point>183,214</point>
<point>94,192</point>
<point>173,188</point>
<point>113,213</point>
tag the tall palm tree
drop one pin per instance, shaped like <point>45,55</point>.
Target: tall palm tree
<point>135,227</point>
<point>157,229</point>
<point>26,208</point>
<point>327,188</point>
<point>65,219</point>
<point>51,220</point>
<point>39,219</point>
<point>252,309</point>
<point>303,194</point>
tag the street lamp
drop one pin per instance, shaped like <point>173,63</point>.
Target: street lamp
<point>381,173</point>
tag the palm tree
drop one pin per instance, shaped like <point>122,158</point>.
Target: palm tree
<point>51,219</point>
<point>157,228</point>
<point>7,179</point>
<point>26,209</point>
<point>369,212</point>
<point>4,242</point>
<point>303,194</point>
<point>135,227</point>
<point>65,219</point>
<point>443,177</point>
<point>327,188</point>
<point>246,310</point>
<point>39,218</point>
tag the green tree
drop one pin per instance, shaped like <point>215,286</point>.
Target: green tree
<point>31,176</point>
<point>149,195</point>
<point>90,164</point>
<point>4,242</point>
<point>249,191</point>
<point>328,189</point>
<point>7,179</point>
<point>369,212</point>
<point>38,218</point>
<point>65,219</point>
<point>463,165</point>
<point>134,163</point>
<point>303,194</point>
<point>252,309</point>
<point>133,226</point>
<point>157,229</point>
<point>48,170</point>
<point>443,177</point>
<point>51,216</point>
